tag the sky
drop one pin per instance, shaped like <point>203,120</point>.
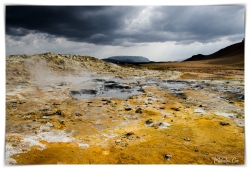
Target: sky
<point>158,32</point>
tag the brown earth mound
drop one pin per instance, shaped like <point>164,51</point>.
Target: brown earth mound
<point>235,51</point>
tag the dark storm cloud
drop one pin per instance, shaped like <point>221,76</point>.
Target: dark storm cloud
<point>118,25</point>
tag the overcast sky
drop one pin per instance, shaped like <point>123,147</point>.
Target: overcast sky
<point>160,33</point>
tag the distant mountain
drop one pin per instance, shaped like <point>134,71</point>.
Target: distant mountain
<point>127,59</point>
<point>179,60</point>
<point>235,50</point>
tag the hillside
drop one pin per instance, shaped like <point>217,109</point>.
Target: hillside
<point>227,61</point>
<point>233,54</point>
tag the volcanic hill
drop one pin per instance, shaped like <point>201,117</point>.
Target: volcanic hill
<point>231,55</point>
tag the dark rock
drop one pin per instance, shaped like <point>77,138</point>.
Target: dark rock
<point>115,85</point>
<point>124,144</point>
<point>167,156</point>
<point>128,108</point>
<point>149,121</point>
<point>175,108</point>
<point>83,91</point>
<point>78,114</point>
<point>224,123</point>
<point>162,107</point>
<point>58,112</point>
<point>107,101</point>
<point>74,92</point>
<point>181,95</point>
<point>130,133</point>
<point>88,91</point>
<point>139,110</point>
<point>11,102</point>
<point>197,87</point>
<point>141,90</point>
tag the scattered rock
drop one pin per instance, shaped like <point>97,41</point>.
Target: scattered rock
<point>149,121</point>
<point>224,123</point>
<point>78,114</point>
<point>130,133</point>
<point>139,110</point>
<point>128,108</point>
<point>141,90</point>
<point>58,112</point>
<point>167,156</point>
<point>175,108</point>
<point>88,91</point>
<point>181,95</point>
<point>124,144</point>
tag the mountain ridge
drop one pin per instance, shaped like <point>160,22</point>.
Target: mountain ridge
<point>229,51</point>
<point>126,59</point>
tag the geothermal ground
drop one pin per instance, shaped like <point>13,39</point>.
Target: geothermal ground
<point>66,109</point>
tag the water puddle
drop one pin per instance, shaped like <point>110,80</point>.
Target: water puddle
<point>102,88</point>
<point>174,85</point>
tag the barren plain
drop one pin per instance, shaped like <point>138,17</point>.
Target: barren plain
<point>68,109</point>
